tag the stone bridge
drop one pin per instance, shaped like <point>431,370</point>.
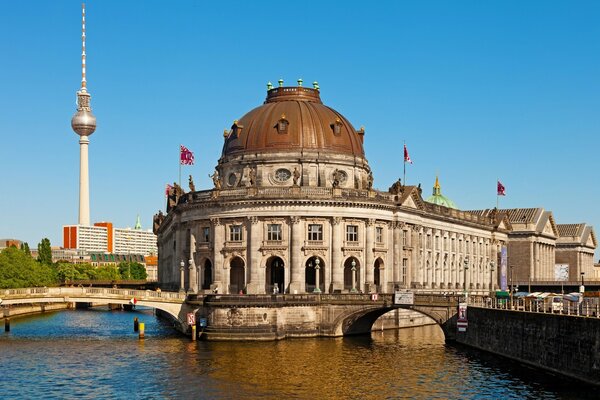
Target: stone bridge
<point>269,317</point>
<point>173,303</point>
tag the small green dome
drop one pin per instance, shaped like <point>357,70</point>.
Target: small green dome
<point>438,198</point>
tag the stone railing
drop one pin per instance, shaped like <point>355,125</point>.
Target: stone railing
<point>90,292</point>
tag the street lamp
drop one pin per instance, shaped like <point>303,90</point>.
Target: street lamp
<point>353,290</point>
<point>492,269</point>
<point>317,277</point>
<point>582,288</point>
<point>181,276</point>
<point>466,267</point>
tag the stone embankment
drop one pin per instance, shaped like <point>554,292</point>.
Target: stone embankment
<point>563,344</point>
<point>35,308</point>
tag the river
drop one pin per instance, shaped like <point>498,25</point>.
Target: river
<point>95,354</point>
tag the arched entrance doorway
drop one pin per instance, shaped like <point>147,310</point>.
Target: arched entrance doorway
<point>237,275</point>
<point>377,274</point>
<point>275,275</point>
<point>207,278</point>
<point>313,265</point>
<point>351,269</point>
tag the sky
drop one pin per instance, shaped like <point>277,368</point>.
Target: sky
<point>478,90</point>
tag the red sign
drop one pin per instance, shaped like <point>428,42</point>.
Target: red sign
<point>191,319</point>
<point>374,296</point>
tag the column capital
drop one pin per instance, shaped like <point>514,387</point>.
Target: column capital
<point>253,219</point>
<point>215,221</point>
<point>370,222</point>
<point>294,220</point>
<point>336,220</point>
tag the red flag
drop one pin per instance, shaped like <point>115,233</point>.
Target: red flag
<point>168,189</point>
<point>501,190</point>
<point>186,157</point>
<point>406,156</point>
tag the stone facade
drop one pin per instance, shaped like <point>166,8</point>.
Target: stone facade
<point>575,246</point>
<point>294,210</point>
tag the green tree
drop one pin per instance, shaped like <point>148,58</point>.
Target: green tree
<point>17,269</point>
<point>45,252</point>
<point>25,248</point>
<point>132,270</point>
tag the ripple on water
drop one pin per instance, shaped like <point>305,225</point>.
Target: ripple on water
<point>95,354</point>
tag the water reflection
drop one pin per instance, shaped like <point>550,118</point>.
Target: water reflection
<point>96,354</point>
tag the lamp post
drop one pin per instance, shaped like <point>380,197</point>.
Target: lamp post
<point>492,269</point>
<point>512,267</point>
<point>317,277</point>
<point>466,267</point>
<point>181,276</point>
<point>353,290</point>
<point>582,288</point>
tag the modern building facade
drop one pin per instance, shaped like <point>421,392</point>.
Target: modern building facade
<point>103,237</point>
<point>294,210</point>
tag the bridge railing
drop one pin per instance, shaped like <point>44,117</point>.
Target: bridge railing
<point>92,292</point>
<point>588,307</point>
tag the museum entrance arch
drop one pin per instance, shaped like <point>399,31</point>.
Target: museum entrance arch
<point>275,275</point>
<point>314,264</point>
<point>207,277</point>
<point>237,275</point>
<point>349,264</point>
<point>377,274</point>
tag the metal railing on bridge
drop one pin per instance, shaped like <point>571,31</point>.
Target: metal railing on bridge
<point>588,307</point>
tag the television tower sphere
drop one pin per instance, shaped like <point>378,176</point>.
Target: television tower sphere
<point>83,122</point>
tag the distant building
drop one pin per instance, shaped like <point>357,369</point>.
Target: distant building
<point>575,247</point>
<point>103,237</point>
<point>4,243</point>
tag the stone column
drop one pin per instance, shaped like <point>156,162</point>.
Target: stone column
<point>397,254</point>
<point>296,267</point>
<point>414,261</point>
<point>369,267</point>
<point>253,255</point>
<point>218,268</point>
<point>192,276</point>
<point>337,269</point>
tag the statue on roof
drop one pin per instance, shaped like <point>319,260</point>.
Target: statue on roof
<point>157,221</point>
<point>396,187</point>
<point>216,179</point>
<point>296,176</point>
<point>191,184</point>
<point>370,180</point>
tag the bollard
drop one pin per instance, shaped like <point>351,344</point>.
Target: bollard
<point>141,327</point>
<point>136,324</point>
<point>6,324</point>
<point>193,332</point>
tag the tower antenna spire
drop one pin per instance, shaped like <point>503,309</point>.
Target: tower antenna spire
<point>83,81</point>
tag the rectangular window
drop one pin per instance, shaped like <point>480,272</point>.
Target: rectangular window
<point>404,238</point>
<point>315,232</point>
<point>274,232</point>
<point>235,233</point>
<point>206,234</point>
<point>404,270</point>
<point>378,234</point>
<point>352,233</point>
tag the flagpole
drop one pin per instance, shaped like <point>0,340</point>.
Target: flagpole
<point>179,165</point>
<point>404,158</point>
<point>497,194</point>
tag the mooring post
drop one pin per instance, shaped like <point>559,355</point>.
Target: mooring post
<point>6,324</point>
<point>136,324</point>
<point>193,333</point>
<point>141,327</point>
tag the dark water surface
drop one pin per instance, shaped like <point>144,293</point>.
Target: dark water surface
<point>95,354</point>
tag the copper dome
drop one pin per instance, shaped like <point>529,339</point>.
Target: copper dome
<point>293,119</point>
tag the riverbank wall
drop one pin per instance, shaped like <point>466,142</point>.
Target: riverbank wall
<point>567,345</point>
<point>35,308</point>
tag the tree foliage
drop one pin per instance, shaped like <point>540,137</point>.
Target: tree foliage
<point>132,270</point>
<point>45,252</point>
<point>18,269</point>
<point>25,248</point>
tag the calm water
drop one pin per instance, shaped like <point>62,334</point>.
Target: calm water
<point>95,354</point>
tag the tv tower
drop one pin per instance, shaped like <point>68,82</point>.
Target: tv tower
<point>84,124</point>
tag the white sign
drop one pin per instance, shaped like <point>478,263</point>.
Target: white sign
<point>404,298</point>
<point>374,296</point>
<point>561,272</point>
<point>191,319</point>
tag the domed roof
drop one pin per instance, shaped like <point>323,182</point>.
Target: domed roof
<point>438,198</point>
<point>293,119</point>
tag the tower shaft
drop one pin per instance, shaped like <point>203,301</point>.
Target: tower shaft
<point>84,182</point>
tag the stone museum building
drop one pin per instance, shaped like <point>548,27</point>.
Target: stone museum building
<point>295,209</point>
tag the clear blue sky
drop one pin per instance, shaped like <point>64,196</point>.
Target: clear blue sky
<point>479,90</point>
